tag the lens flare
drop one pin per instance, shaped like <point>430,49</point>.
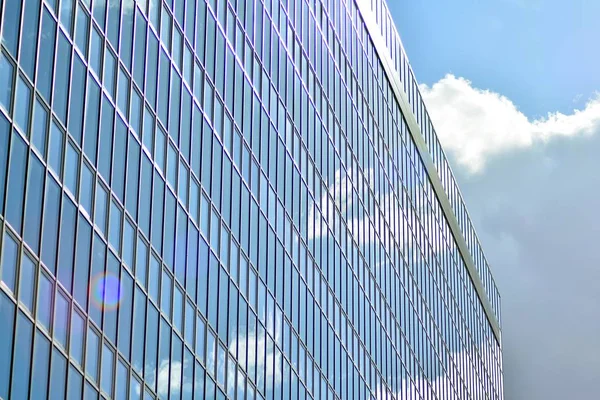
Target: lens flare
<point>105,291</point>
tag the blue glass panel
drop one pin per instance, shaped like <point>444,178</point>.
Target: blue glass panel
<point>58,376</point>
<point>9,262</point>
<point>178,309</point>
<point>176,368</point>
<point>21,363</point>
<point>166,294</point>
<point>112,295</point>
<point>199,382</point>
<point>82,262</point>
<point>164,358</point>
<point>96,274</point>
<point>91,354</point>
<point>125,313</point>
<point>139,318</point>
<point>75,384</point>
<point>90,393</point>
<point>122,381</point>
<point>61,319</point>
<point>152,66</point>
<point>157,211</point>
<point>115,226</point>
<point>82,27</point>
<point>46,55</point>
<point>72,169</point>
<point>29,33</point>
<point>67,243</point>
<point>40,367</point>
<point>169,230</point>
<point>66,14</point>
<point>7,316</point>
<point>27,282</point>
<point>107,378</point>
<point>16,182</point>
<point>77,99</point>
<point>22,105</point>
<point>56,148</point>
<point>145,196</point>
<point>10,28</point>
<point>139,49</point>
<point>76,337</point>
<point>50,226</point>
<point>92,114</point>
<point>141,261</point>
<point>133,171</point>
<point>119,152</point>
<point>203,260</point>
<point>61,78</point>
<point>126,34</point>
<point>106,140</point>
<point>44,301</point>
<point>151,366</point>
<point>181,251</point>
<point>33,203</point>
<point>154,279</point>
<point>96,49</point>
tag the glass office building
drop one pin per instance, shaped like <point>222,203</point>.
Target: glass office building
<point>239,199</point>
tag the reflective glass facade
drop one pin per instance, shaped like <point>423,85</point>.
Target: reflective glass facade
<point>224,199</point>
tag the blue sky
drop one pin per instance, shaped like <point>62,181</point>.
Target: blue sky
<point>512,88</point>
<point>542,54</point>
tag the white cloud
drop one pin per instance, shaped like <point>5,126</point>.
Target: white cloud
<point>475,124</point>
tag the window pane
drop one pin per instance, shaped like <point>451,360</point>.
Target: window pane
<point>120,149</point>
<point>55,152</point>
<point>61,78</point>
<point>67,243</point>
<point>41,364</point>
<point>82,262</point>
<point>108,359</point>
<point>133,170</point>
<point>46,55</point>
<point>86,194</point>
<point>58,375</point>
<point>75,384</point>
<point>10,30</point>
<point>82,27</point>
<point>106,140</point>
<point>27,282</point>
<point>6,82</point>
<point>61,319</point>
<point>77,100</point>
<point>72,169</point>
<point>116,217</point>
<point>40,127</point>
<point>91,355</point>
<point>150,366</point>
<point>125,313</point>
<point>90,145</point>
<point>50,227</point>
<point>10,259</point>
<point>77,337</point>
<point>16,182</point>
<point>44,301</point>
<point>122,381</point>
<point>139,317</point>
<point>29,36</point>
<point>23,105</point>
<point>21,362</point>
<point>7,316</point>
<point>33,203</point>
